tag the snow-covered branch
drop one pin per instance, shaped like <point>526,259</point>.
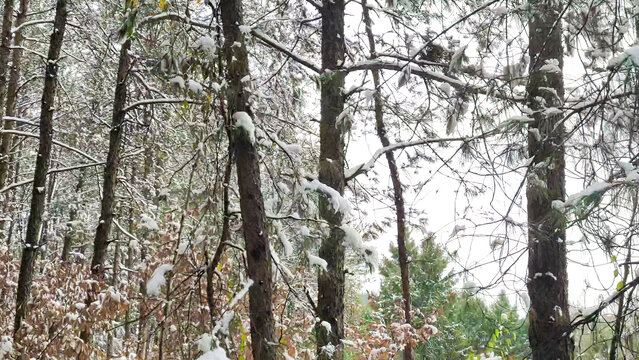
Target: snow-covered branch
<point>159,101</point>
<point>417,70</point>
<point>52,171</point>
<point>31,23</point>
<point>591,314</point>
<point>280,47</point>
<point>173,17</point>
<point>365,167</point>
<point>61,144</point>
<point>123,230</point>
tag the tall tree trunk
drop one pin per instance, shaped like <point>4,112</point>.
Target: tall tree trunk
<point>42,166</point>
<point>11,105</point>
<point>5,50</point>
<point>330,303</point>
<point>258,251</point>
<point>549,331</point>
<point>101,240</point>
<point>398,196</point>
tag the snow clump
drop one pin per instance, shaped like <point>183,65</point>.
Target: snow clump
<point>157,280</point>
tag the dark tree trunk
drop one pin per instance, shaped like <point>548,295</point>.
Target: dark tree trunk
<point>11,104</point>
<point>330,303</point>
<point>42,165</point>
<point>101,240</point>
<point>258,251</point>
<point>549,331</point>
<point>5,51</point>
<point>398,196</point>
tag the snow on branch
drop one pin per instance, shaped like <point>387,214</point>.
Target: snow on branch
<point>598,188</point>
<point>157,280</point>
<point>280,47</point>
<point>339,203</point>
<point>591,314</point>
<point>52,171</point>
<point>365,167</point>
<point>159,101</point>
<point>61,144</point>
<point>427,74</point>
<point>30,23</point>
<point>174,17</point>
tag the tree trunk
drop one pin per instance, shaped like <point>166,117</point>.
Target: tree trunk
<point>101,240</point>
<point>549,331</point>
<point>258,251</point>
<point>11,105</point>
<point>398,196</point>
<point>5,50</point>
<point>330,303</point>
<point>42,166</point>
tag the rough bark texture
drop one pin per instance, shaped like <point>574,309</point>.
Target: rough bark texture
<point>330,302</point>
<point>258,251</point>
<point>398,196</point>
<point>5,51</point>
<point>42,165</point>
<point>11,105</point>
<point>549,331</point>
<point>101,240</point>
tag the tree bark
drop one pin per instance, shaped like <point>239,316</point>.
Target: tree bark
<point>549,331</point>
<point>330,303</point>
<point>11,105</point>
<point>248,177</point>
<point>398,195</point>
<point>42,166</point>
<point>5,50</point>
<point>101,240</point>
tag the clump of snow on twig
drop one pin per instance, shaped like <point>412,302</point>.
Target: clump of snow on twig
<point>339,203</point>
<point>157,280</point>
